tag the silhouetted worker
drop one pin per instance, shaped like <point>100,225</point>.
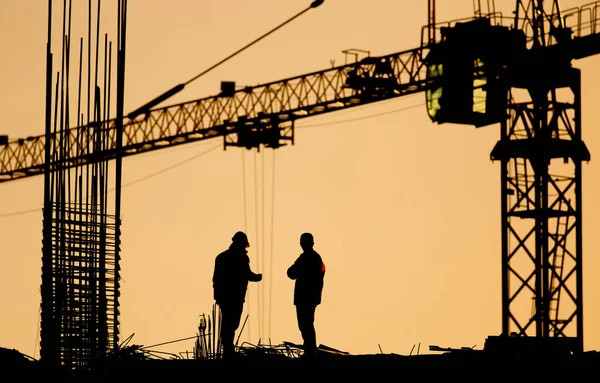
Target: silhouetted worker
<point>309,272</point>
<point>230,282</point>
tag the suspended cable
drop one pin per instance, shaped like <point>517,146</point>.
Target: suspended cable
<point>244,194</point>
<point>244,191</point>
<point>261,233</point>
<point>151,175</point>
<point>272,240</point>
<point>262,254</point>
<point>22,212</point>
<point>169,168</point>
<point>178,88</point>
<point>258,247</point>
<point>361,118</point>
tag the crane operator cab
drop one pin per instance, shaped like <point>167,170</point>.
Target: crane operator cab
<point>467,72</point>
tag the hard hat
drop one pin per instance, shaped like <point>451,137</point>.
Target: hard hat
<point>240,237</point>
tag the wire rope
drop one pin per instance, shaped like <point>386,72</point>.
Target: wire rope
<point>272,241</point>
<point>28,211</point>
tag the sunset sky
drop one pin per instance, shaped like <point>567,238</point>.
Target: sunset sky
<point>405,213</point>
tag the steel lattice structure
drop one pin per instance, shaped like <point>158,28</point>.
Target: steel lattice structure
<point>236,117</point>
<point>540,150</point>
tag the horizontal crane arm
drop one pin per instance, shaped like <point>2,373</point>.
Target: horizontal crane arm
<point>369,80</point>
<point>274,104</point>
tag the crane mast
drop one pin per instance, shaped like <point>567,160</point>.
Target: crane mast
<point>481,71</point>
<point>541,153</point>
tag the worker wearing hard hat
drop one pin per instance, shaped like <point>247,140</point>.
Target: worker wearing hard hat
<point>230,282</point>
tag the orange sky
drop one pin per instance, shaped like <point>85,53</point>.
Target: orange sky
<point>405,213</point>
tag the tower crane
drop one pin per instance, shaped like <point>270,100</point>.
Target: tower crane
<point>480,71</point>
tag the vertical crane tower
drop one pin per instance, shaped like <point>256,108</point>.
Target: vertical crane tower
<point>512,72</point>
<point>521,77</point>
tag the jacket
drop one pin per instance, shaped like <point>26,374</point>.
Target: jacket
<point>309,272</point>
<point>231,276</point>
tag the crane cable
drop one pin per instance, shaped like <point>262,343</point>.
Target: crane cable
<point>260,229</point>
<point>261,232</point>
<point>145,109</point>
<point>272,243</point>
<point>160,171</point>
